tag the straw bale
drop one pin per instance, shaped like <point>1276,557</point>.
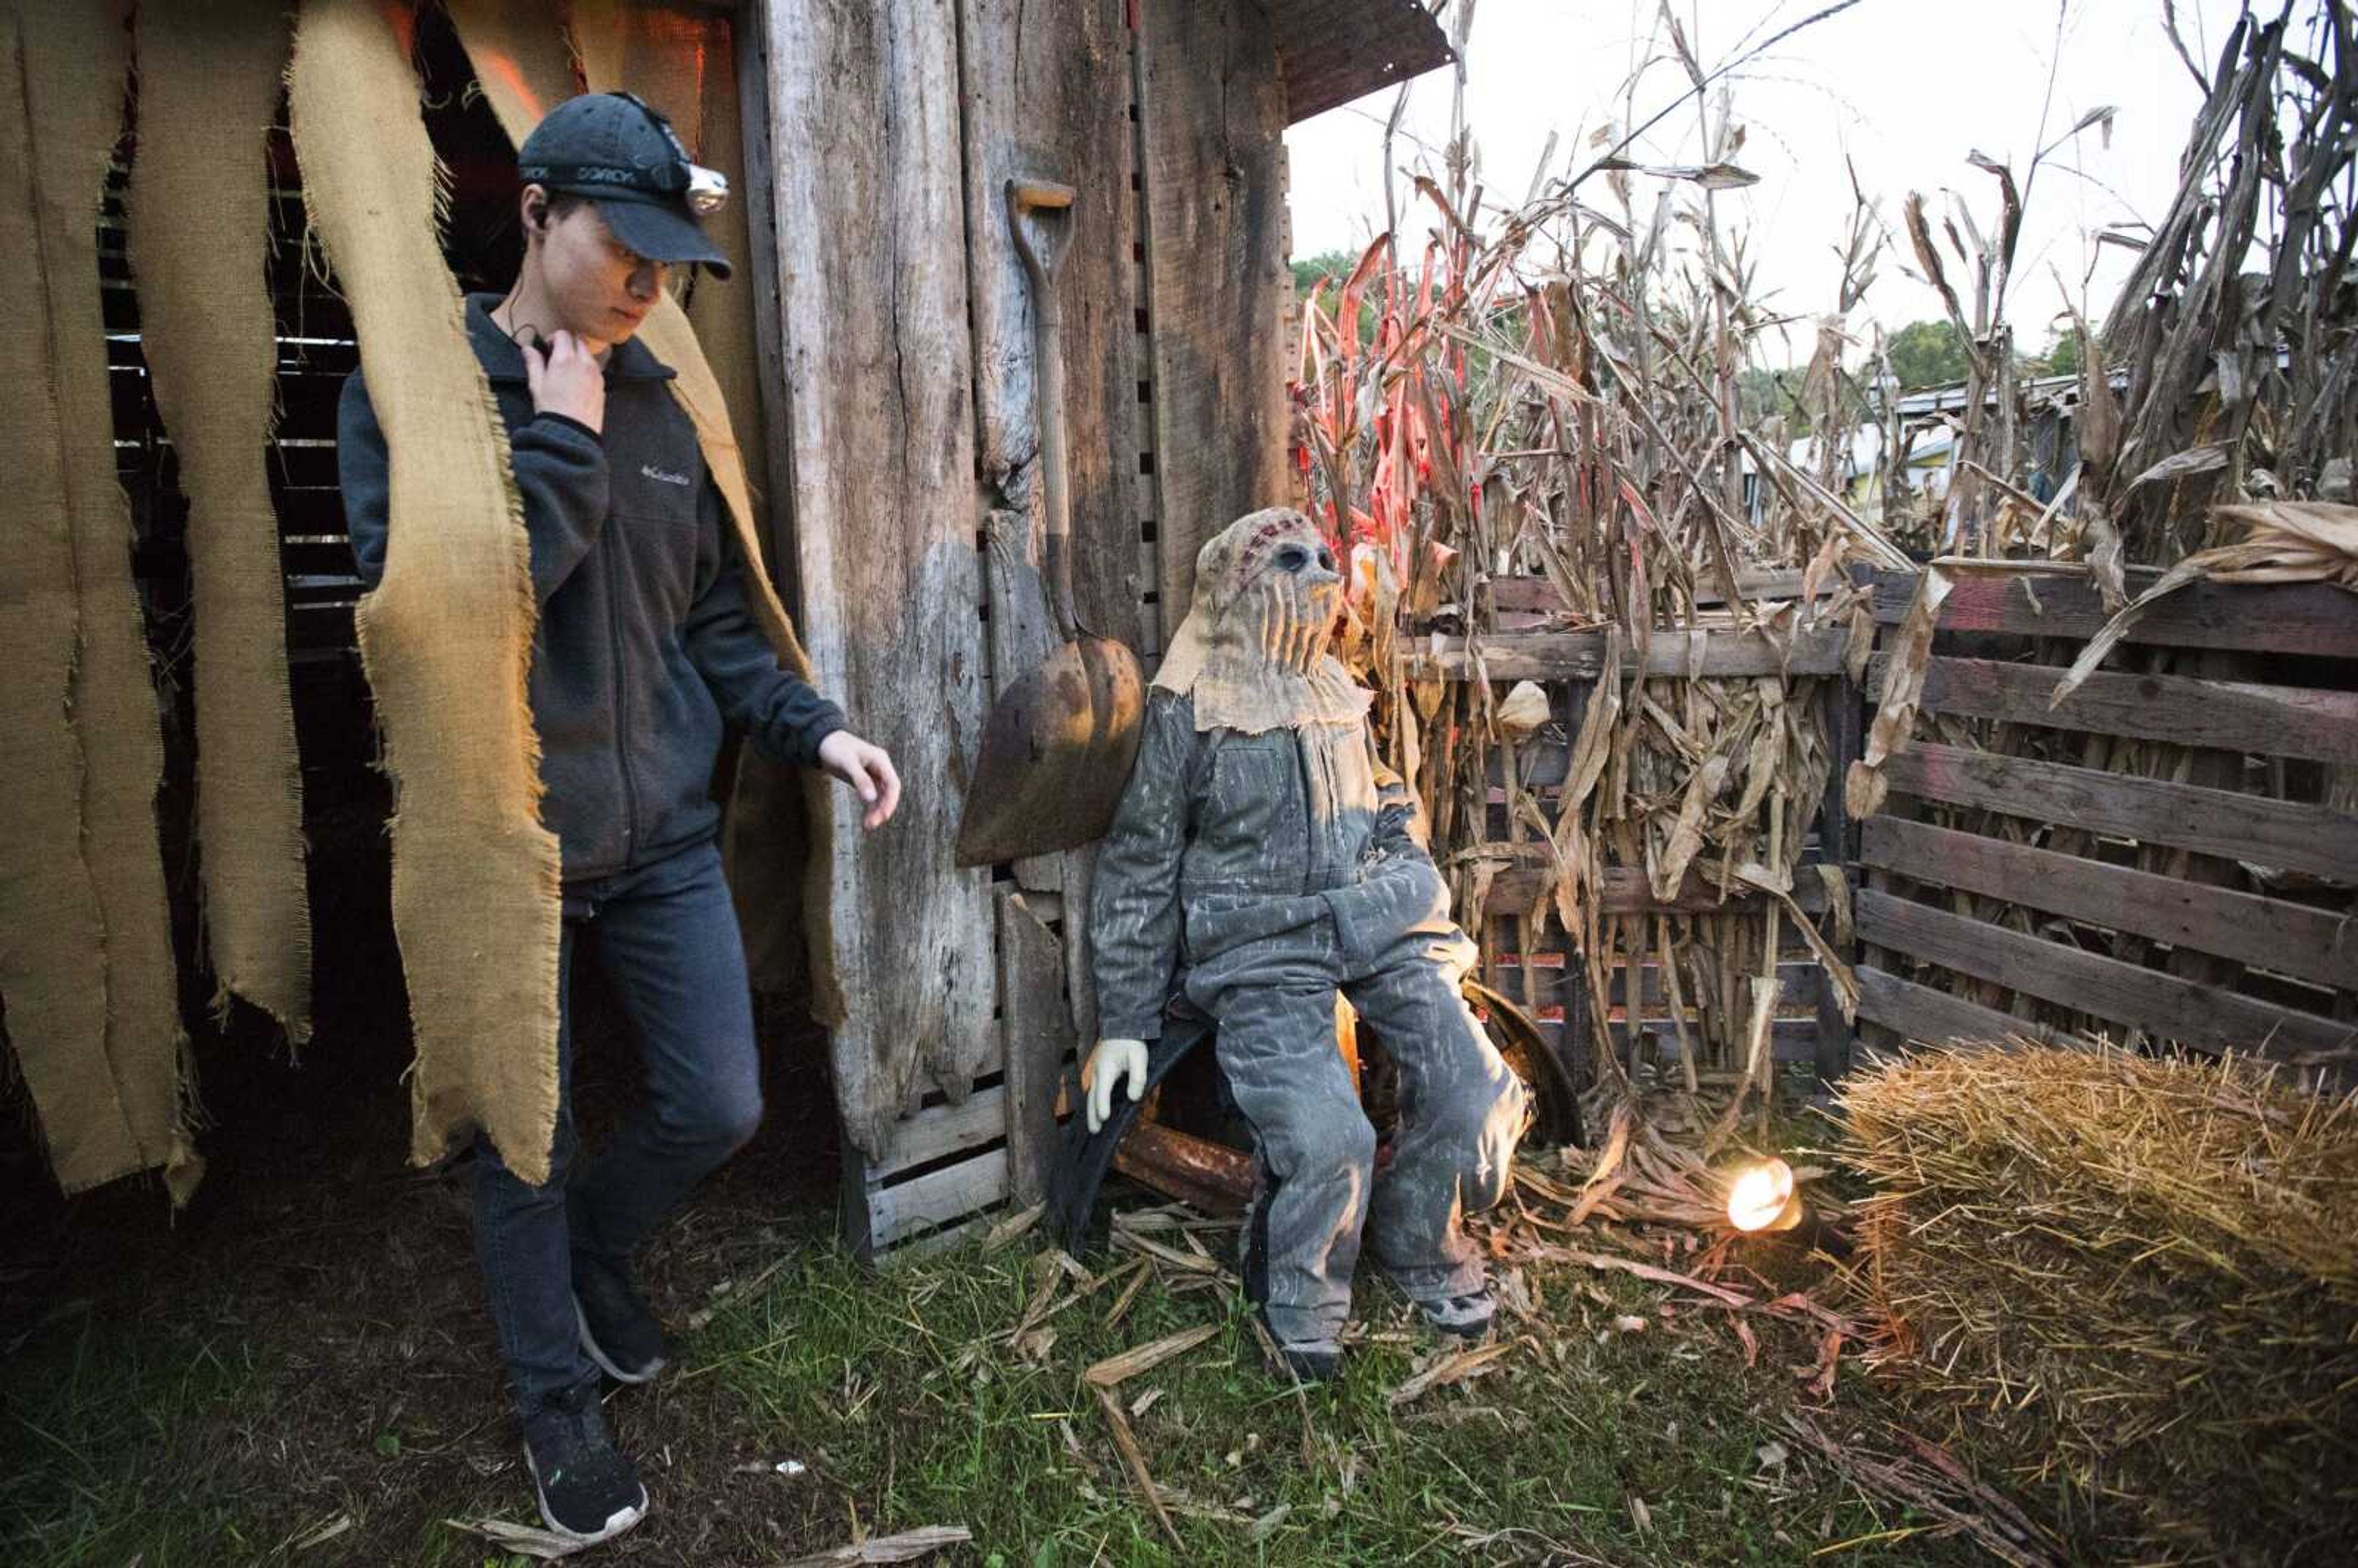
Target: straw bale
<point>2134,1274</point>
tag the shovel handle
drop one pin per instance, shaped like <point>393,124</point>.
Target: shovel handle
<point>1029,197</point>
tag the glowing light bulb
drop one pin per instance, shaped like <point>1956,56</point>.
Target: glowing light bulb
<point>1763,1198</point>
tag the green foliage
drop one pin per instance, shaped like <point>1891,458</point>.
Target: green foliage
<point>2062,356</point>
<point>1927,354</point>
<point>1308,270</point>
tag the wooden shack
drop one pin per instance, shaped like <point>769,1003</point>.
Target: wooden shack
<point>876,353</point>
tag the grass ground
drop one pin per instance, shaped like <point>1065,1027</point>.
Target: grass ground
<point>330,1397</point>
<point>298,1370</point>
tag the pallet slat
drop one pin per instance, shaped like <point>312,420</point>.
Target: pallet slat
<point>943,1130</point>
<point>1627,891</point>
<point>2287,835</point>
<point>2267,933</point>
<point>1920,1012</point>
<point>2233,716</point>
<point>2305,618</point>
<point>1580,655</point>
<point>937,1198</point>
<point>2124,993</point>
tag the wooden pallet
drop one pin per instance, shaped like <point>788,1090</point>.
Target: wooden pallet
<point>2203,900</point>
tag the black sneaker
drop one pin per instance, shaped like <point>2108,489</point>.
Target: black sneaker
<point>589,1489</point>
<point>618,1332</point>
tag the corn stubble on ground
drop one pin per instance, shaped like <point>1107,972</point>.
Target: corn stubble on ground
<point>2139,1275</point>
<point>1649,1399</point>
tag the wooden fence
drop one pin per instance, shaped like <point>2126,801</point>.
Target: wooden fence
<point>2171,854</point>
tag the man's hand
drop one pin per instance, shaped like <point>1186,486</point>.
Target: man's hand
<point>567,379</point>
<point>1113,1062</point>
<point>868,771</point>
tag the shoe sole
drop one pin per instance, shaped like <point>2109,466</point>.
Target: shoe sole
<point>1467,1331</point>
<point>590,1348</point>
<point>616,1522</point>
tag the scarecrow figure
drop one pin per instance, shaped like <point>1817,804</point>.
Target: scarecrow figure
<point>1264,856</point>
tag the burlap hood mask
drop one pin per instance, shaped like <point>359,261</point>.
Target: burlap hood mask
<point>1252,651</point>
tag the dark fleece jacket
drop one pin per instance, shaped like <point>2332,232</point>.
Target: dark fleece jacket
<point>645,646</point>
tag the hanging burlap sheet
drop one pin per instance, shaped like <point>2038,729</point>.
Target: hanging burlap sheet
<point>209,74</point>
<point>53,942</point>
<point>96,940</point>
<point>445,638</point>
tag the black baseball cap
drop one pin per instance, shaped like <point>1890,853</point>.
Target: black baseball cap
<point>620,153</point>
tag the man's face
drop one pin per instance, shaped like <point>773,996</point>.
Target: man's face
<point>601,290</point>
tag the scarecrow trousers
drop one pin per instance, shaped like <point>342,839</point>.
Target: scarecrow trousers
<point>667,939</point>
<point>1317,1189</point>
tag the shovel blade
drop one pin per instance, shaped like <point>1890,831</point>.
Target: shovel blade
<point>1056,754</point>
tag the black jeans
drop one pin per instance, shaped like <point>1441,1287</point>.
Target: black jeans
<point>667,939</point>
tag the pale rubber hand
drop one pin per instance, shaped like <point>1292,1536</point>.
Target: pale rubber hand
<point>1113,1062</point>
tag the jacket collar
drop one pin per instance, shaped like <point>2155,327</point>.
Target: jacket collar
<point>504,362</point>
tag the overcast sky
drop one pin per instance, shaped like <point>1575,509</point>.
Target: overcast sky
<point>1904,89</point>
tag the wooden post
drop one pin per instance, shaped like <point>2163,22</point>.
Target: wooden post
<point>868,214</point>
<point>1838,709</point>
<point>1213,117</point>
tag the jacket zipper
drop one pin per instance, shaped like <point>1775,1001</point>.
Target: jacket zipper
<point>621,717</point>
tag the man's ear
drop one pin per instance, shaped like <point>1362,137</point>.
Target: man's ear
<point>535,210</point>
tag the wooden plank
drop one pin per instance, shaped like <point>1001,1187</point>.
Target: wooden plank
<point>1920,1012</point>
<point>1212,119</point>
<point>1627,891</point>
<point>869,217</point>
<point>1036,1031</point>
<point>2161,1005</point>
<point>937,1198</point>
<point>2278,720</point>
<point>2264,932</point>
<point>2288,617</point>
<point>1839,718</point>
<point>1539,594</point>
<point>1045,94</point>
<point>1580,655</point>
<point>2290,836</point>
<point>2271,934</point>
<point>758,282</point>
<point>940,1131</point>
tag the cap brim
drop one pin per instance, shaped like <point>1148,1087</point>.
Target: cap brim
<point>662,232</point>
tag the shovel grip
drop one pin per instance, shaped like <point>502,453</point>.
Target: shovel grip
<point>1039,196</point>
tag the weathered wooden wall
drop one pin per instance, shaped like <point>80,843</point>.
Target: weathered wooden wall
<point>906,445</point>
<point>1213,117</point>
<point>866,196</point>
<point>2157,856</point>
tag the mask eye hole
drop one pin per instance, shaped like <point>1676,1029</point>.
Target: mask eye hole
<point>1292,558</point>
<point>1326,559</point>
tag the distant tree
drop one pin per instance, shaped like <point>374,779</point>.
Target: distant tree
<point>2062,356</point>
<point>1761,392</point>
<point>1927,353</point>
<point>1336,265</point>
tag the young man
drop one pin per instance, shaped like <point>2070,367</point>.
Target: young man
<point>644,648</point>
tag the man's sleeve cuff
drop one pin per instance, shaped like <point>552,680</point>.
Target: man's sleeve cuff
<point>569,423</point>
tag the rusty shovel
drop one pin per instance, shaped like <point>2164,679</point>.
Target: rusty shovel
<point>1057,748</point>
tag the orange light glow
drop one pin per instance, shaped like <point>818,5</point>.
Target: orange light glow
<point>1763,1198</point>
